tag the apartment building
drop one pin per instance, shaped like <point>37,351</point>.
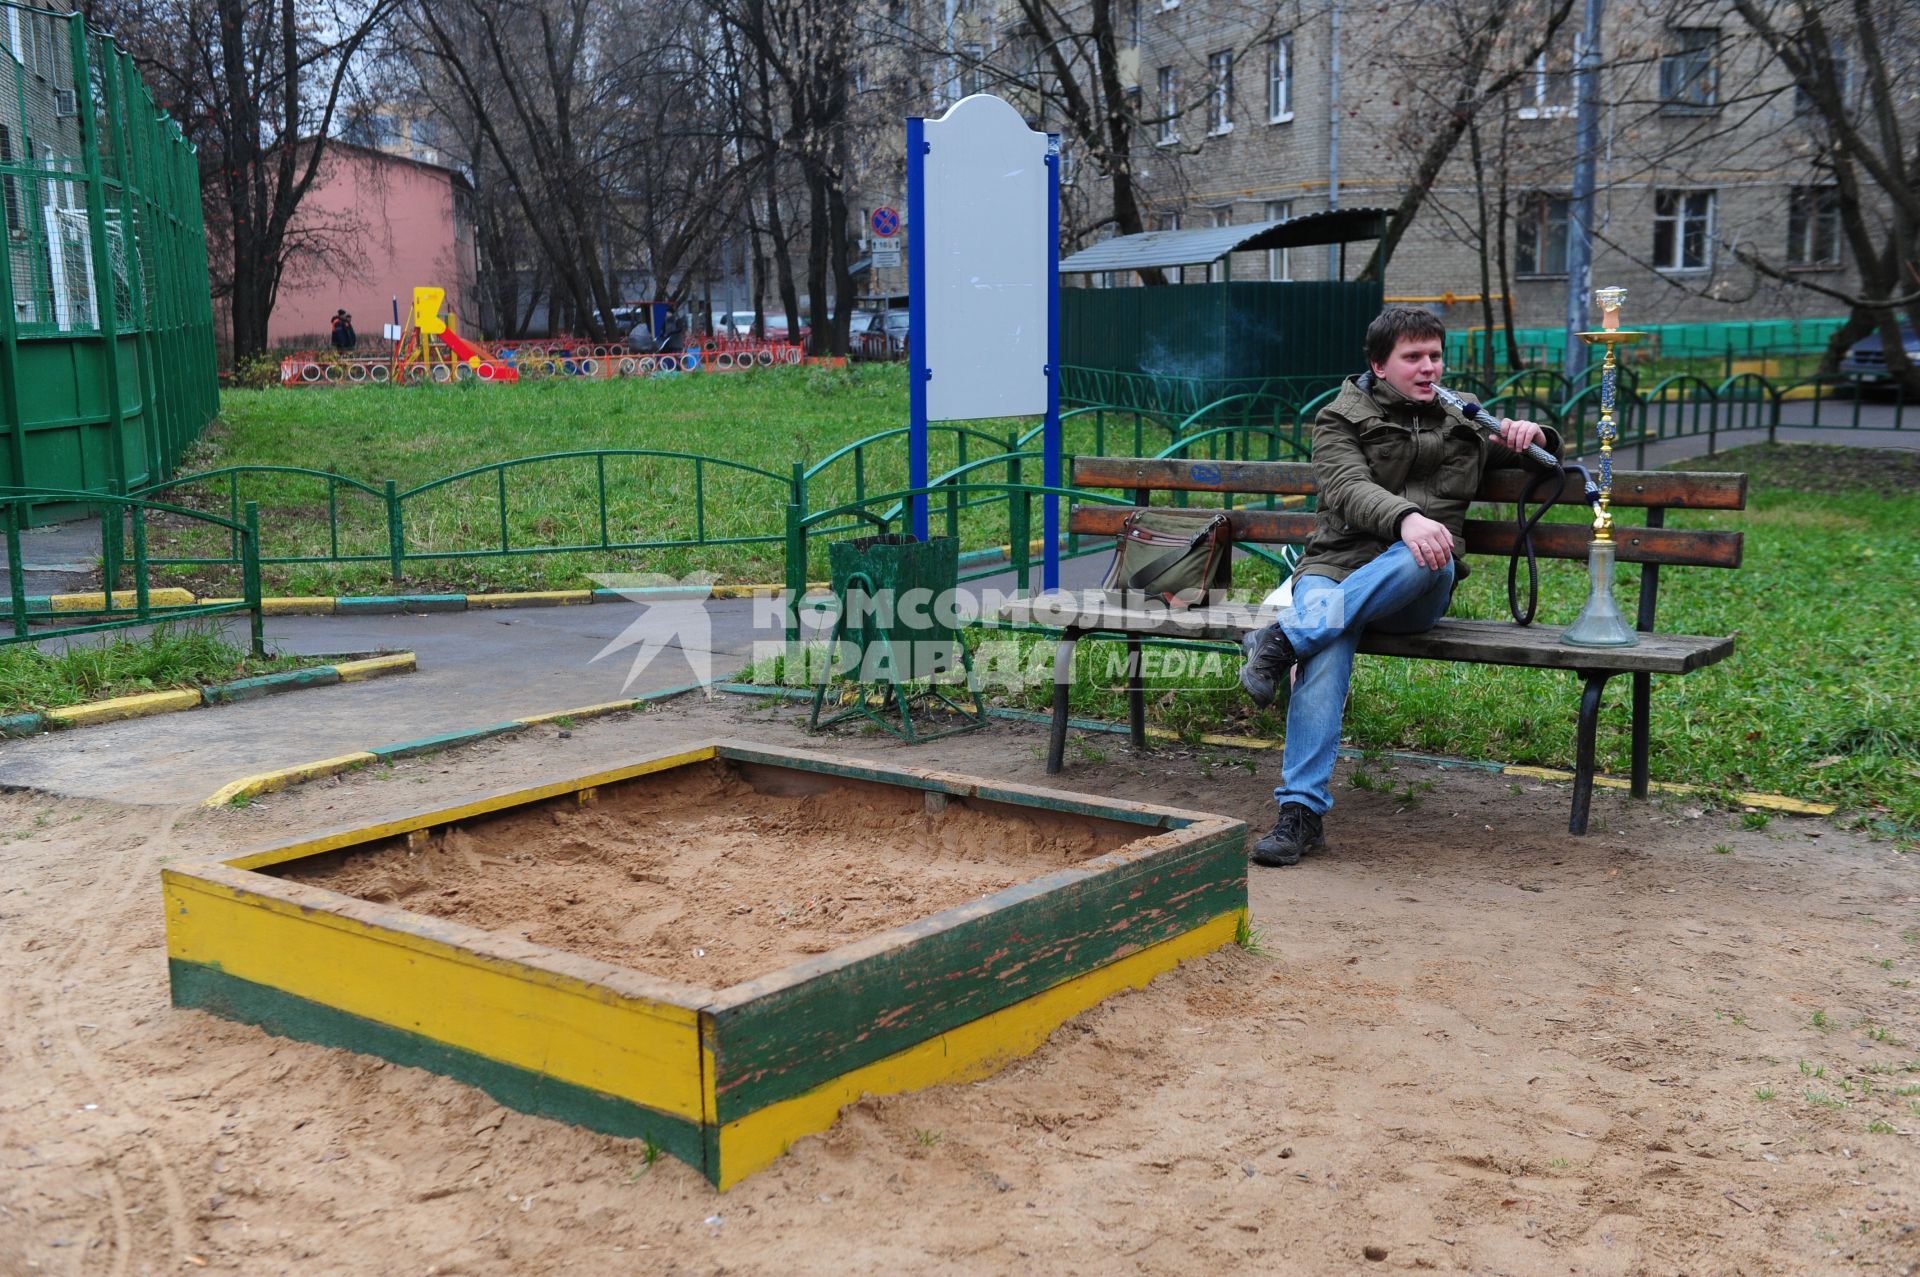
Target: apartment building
<point>1253,111</point>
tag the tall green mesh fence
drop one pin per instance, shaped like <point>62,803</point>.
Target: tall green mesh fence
<point>107,364</point>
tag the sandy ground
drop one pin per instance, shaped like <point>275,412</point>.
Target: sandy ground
<point>1472,1043</point>
<point>699,877</point>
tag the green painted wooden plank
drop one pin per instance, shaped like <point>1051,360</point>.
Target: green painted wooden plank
<point>249,689</point>
<point>208,989</point>
<point>780,1036</point>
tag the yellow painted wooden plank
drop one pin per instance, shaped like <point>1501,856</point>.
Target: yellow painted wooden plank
<point>965,1054</point>
<point>634,1048</point>
<point>124,707</point>
<point>531,598</point>
<point>268,782</point>
<point>373,667</point>
<point>167,596</point>
<point>337,839</point>
<point>585,711</point>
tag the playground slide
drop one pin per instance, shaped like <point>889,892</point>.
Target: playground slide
<point>487,368</point>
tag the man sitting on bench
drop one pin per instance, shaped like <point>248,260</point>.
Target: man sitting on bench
<point>1396,471</point>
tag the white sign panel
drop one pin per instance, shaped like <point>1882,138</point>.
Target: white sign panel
<point>886,255</point>
<point>983,230</point>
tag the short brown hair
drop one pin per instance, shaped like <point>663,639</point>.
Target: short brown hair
<point>1396,323</point>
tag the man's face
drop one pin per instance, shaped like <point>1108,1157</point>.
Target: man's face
<point>1413,367</point>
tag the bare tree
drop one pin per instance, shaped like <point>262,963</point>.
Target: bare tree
<point>1855,73</point>
<point>809,51</point>
<point>1471,52</point>
<point>257,86</point>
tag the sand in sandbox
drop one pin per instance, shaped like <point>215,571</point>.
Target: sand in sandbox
<point>704,876</point>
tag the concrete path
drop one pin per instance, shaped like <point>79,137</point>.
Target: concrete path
<point>475,668</point>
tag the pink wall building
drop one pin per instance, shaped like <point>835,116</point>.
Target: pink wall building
<point>374,227</point>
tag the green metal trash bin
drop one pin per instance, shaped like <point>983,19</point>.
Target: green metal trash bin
<point>895,643</point>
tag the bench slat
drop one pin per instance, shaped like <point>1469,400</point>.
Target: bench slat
<point>1686,489</point>
<point>1690,547</point>
<point>1483,642</point>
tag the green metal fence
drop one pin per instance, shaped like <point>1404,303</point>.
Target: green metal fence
<point>124,521</point>
<point>1726,342</point>
<point>107,366</point>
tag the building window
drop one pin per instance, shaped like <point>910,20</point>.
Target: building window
<point>1133,23</point>
<point>1548,92</point>
<point>1279,260</point>
<point>1220,93</point>
<point>1682,230</point>
<point>1066,162</point>
<point>973,75</point>
<point>1813,226</point>
<point>1169,105</point>
<point>1540,236</point>
<point>1280,80</point>
<point>1803,102</point>
<point>1689,78</point>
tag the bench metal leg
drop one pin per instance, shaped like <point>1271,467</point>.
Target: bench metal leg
<point>1136,695</point>
<point>1642,716</point>
<point>1583,764</point>
<point>1062,684</point>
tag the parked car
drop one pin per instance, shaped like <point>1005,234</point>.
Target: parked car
<point>1867,358</point>
<point>776,321</point>
<point>884,337</point>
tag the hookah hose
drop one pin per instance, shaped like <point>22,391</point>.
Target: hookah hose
<point>1545,484</point>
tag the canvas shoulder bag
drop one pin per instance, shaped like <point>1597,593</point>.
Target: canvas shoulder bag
<point>1182,557</point>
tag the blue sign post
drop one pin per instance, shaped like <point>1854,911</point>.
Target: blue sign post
<point>983,279</point>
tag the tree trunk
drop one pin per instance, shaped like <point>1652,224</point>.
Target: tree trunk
<point>1486,267</point>
<point>1514,360</point>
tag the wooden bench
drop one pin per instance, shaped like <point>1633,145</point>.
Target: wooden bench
<point>1651,545</point>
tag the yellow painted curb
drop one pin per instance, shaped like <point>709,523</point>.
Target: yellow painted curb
<point>124,707</point>
<point>290,605</point>
<point>585,711</point>
<point>1772,802</point>
<point>758,591</point>
<point>97,600</point>
<point>373,667</point>
<point>531,598</point>
<point>267,782</point>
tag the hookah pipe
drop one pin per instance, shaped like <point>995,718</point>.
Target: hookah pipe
<point>1548,479</point>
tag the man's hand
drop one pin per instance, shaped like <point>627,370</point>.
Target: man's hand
<point>1431,543</point>
<point>1518,434</point>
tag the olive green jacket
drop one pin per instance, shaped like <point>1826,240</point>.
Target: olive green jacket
<point>1378,457</point>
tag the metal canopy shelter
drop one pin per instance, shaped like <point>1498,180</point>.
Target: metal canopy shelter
<point>1154,249</point>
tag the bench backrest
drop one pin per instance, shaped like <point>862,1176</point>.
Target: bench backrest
<point>1655,491</point>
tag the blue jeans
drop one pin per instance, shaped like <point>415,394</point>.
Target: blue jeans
<point>1324,623</point>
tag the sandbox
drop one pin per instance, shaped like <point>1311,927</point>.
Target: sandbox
<point>713,950</point>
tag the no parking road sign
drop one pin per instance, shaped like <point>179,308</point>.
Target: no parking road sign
<point>886,222</point>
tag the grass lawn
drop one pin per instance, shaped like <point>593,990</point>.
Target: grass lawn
<point>1818,700</point>
<point>166,658</point>
<point>766,419</point>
